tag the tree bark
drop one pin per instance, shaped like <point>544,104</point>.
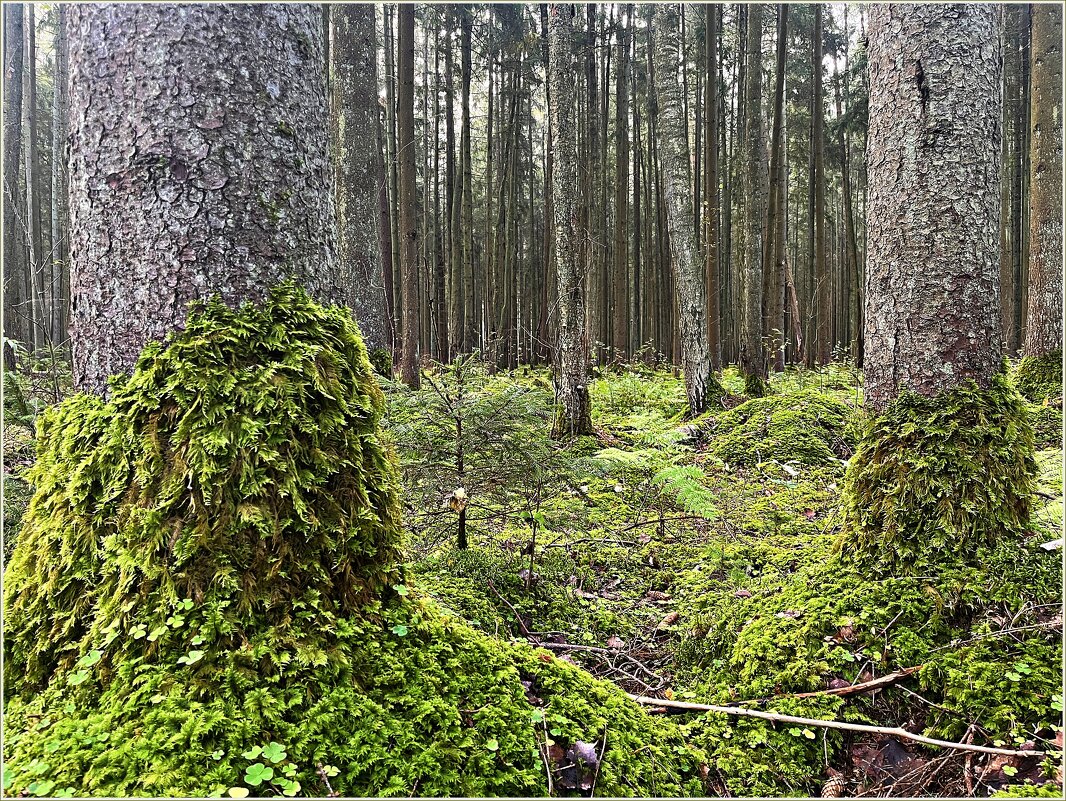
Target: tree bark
<point>621,280</point>
<point>932,303</point>
<point>756,179</point>
<point>184,184</point>
<point>38,266</point>
<point>60,292</point>
<point>572,394</point>
<point>355,96</point>
<point>405,143</point>
<point>777,209</point>
<point>688,269</point>
<point>18,314</point>
<point>823,288</point>
<point>1043,330</point>
<point>710,193</point>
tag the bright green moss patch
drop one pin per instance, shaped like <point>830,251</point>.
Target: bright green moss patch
<point>206,594</point>
<point>1040,377</point>
<point>937,480</point>
<point>1047,425</point>
<point>803,426</point>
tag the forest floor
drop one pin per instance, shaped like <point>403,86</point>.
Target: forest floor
<point>686,560</point>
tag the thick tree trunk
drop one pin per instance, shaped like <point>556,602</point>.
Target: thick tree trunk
<point>572,393</point>
<point>17,312</point>
<point>405,143</point>
<point>932,303</point>
<point>1043,330</point>
<point>184,184</point>
<point>690,290</point>
<point>355,96</point>
<point>756,179</point>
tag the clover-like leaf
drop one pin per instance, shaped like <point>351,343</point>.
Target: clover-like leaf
<point>493,744</point>
<point>253,753</point>
<point>78,677</point>
<point>399,630</point>
<point>238,792</point>
<point>401,589</point>
<point>90,658</point>
<point>258,773</point>
<point>274,752</point>
<point>191,658</point>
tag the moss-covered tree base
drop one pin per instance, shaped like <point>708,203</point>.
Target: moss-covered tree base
<point>1040,377</point>
<point>207,594</point>
<point>938,480</point>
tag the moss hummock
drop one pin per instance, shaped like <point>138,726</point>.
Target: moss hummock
<point>938,480</point>
<point>803,426</point>
<point>1040,377</point>
<point>207,594</point>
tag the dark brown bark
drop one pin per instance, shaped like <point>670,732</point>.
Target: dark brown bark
<point>185,185</point>
<point>1043,329</point>
<point>408,218</point>
<point>355,96</point>
<point>710,193</point>
<point>823,292</point>
<point>777,210</point>
<point>17,312</point>
<point>38,264</point>
<point>932,308</point>
<point>60,221</point>
<point>621,279</point>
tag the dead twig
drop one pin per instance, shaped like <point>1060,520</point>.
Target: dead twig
<point>518,617</point>
<point>832,724</point>
<point>873,684</point>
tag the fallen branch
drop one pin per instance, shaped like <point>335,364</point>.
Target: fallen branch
<point>873,684</point>
<point>518,617</point>
<point>832,724</point>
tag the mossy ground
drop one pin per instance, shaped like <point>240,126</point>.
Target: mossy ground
<point>1039,378</point>
<point>718,576</point>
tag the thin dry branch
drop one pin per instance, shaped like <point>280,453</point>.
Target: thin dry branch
<point>903,734</point>
<point>873,684</point>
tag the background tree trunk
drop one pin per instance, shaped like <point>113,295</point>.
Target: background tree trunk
<point>405,143</point>
<point>1043,329</point>
<point>751,357</point>
<point>60,292</point>
<point>18,315</point>
<point>572,393</point>
<point>688,269</point>
<point>38,266</point>
<point>355,104</point>
<point>185,185</point>
<point>777,209</point>
<point>932,304</point>
<point>823,288</point>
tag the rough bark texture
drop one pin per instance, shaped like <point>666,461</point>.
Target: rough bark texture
<point>823,287</point>
<point>932,289</point>
<point>1043,330</point>
<point>621,278</point>
<point>777,209</point>
<point>572,393</point>
<point>688,269</point>
<point>408,219</point>
<point>199,166</point>
<point>355,93</point>
<point>38,267</point>
<point>60,290</point>
<point>754,192</point>
<point>712,138</point>
<point>17,313</point>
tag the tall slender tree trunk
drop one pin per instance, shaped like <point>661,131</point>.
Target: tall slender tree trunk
<point>621,273</point>
<point>777,209</point>
<point>751,357</point>
<point>573,415</point>
<point>32,183</point>
<point>60,291</point>
<point>688,269</point>
<point>823,287</point>
<point>711,235</point>
<point>18,314</point>
<point>405,143</point>
<point>355,96</point>
<point>1043,330</point>
<point>174,202</point>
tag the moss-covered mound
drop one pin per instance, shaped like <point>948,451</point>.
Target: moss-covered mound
<point>939,479</point>
<point>1040,377</point>
<point>206,595</point>
<point>803,426</point>
<point>1046,419</point>
<point>803,620</point>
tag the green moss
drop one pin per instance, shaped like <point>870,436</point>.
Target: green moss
<point>754,386</point>
<point>1046,420</point>
<point>1040,377</point>
<point>210,564</point>
<point>381,360</point>
<point>937,480</point>
<point>804,426</point>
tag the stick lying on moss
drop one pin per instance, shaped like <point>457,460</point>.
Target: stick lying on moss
<point>833,724</point>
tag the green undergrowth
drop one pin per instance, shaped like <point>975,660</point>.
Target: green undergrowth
<point>936,480</point>
<point>804,426</point>
<point>1040,377</point>
<point>207,597</point>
